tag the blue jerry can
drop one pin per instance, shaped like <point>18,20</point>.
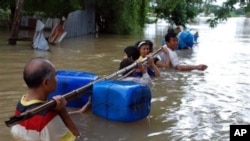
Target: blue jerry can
<point>124,101</point>
<point>69,80</point>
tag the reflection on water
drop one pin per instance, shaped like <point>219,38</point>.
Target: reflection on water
<point>185,105</point>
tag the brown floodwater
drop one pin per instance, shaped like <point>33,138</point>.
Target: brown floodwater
<point>185,105</point>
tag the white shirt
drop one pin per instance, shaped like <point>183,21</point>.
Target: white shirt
<point>145,79</point>
<point>172,55</point>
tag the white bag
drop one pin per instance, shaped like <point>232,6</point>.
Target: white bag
<point>39,41</point>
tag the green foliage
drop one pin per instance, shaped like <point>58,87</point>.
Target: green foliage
<point>6,4</point>
<point>51,8</point>
<point>178,12</point>
<point>240,11</point>
<point>221,13</point>
<point>129,16</point>
<point>227,9</point>
<point>182,12</point>
<point>117,16</point>
<point>247,9</point>
<point>122,16</point>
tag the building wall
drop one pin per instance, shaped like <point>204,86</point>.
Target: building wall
<point>80,22</point>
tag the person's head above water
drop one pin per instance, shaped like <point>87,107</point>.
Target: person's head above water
<point>37,70</point>
<point>132,52</point>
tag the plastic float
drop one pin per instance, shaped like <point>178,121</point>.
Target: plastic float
<point>115,100</point>
<point>123,101</point>
<point>69,80</point>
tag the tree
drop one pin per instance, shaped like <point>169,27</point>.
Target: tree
<point>50,8</point>
<point>181,12</point>
<point>129,16</point>
<point>178,12</point>
<point>16,22</point>
<point>223,11</point>
<point>121,16</point>
<point>9,4</point>
<point>113,16</point>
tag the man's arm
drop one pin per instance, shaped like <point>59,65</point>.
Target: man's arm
<point>145,79</point>
<point>62,111</point>
<point>69,122</point>
<point>167,61</point>
<point>153,66</point>
<point>181,67</point>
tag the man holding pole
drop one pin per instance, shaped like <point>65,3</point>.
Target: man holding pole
<point>170,46</point>
<point>52,124</point>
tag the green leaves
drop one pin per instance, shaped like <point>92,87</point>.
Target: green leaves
<point>51,8</point>
<point>181,12</point>
<point>178,12</point>
<point>123,16</point>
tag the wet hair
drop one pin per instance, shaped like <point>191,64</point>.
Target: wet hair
<point>145,42</point>
<point>36,70</point>
<point>132,52</point>
<point>170,29</point>
<point>140,43</point>
<point>170,35</point>
<point>124,63</point>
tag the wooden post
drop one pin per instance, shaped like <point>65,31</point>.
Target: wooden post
<point>16,23</point>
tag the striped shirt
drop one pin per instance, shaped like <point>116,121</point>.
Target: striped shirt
<point>45,126</point>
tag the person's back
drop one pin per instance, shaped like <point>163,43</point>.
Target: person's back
<point>46,126</point>
<point>49,125</point>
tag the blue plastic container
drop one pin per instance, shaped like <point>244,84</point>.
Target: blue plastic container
<point>69,80</point>
<point>121,100</point>
<point>186,39</point>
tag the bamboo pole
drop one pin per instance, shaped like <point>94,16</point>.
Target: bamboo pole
<point>70,95</point>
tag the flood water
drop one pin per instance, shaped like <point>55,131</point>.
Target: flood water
<point>197,106</point>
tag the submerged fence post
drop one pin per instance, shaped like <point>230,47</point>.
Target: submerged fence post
<point>16,23</point>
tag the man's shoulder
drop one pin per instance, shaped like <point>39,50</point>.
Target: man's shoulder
<point>169,49</point>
